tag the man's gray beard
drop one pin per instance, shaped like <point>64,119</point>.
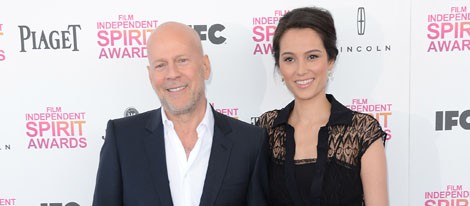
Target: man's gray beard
<point>189,108</point>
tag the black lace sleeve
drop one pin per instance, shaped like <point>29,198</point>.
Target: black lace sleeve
<point>266,119</point>
<point>372,132</point>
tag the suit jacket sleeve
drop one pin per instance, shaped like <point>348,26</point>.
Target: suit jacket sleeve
<point>108,189</point>
<point>258,186</point>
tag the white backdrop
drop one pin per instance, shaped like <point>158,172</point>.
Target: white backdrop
<point>63,75</point>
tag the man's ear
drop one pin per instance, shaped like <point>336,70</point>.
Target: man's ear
<point>149,74</point>
<point>207,67</point>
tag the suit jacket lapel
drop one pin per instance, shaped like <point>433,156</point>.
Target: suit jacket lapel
<point>218,161</point>
<point>155,150</point>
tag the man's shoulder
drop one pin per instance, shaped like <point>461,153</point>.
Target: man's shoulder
<point>240,132</point>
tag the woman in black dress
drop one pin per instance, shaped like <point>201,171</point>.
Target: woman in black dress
<point>322,153</point>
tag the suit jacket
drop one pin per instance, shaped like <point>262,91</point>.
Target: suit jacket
<point>132,168</point>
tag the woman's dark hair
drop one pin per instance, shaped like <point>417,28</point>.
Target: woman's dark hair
<point>317,19</point>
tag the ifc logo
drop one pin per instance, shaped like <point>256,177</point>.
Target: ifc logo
<point>445,120</point>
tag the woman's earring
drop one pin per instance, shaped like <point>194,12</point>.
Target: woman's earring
<point>330,75</point>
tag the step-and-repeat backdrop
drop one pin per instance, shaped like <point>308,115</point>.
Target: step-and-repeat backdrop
<point>68,67</point>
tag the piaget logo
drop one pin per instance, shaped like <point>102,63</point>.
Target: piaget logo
<point>66,39</point>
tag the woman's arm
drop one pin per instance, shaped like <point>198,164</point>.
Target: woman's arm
<point>374,175</point>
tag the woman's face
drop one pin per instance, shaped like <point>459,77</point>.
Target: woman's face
<point>303,63</point>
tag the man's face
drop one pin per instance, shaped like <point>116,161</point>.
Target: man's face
<point>177,69</point>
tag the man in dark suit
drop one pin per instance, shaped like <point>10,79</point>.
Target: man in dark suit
<point>183,153</point>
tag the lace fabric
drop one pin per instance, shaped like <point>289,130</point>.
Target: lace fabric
<point>349,136</point>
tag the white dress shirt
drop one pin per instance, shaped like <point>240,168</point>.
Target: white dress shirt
<point>187,176</point>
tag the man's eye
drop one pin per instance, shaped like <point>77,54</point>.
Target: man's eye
<point>182,60</point>
<point>159,66</point>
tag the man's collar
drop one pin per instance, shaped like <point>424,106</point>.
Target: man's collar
<point>207,120</point>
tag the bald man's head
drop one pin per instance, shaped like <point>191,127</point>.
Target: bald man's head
<point>174,30</point>
<point>178,68</point>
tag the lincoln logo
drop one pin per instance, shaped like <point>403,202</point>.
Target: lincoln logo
<point>361,21</point>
